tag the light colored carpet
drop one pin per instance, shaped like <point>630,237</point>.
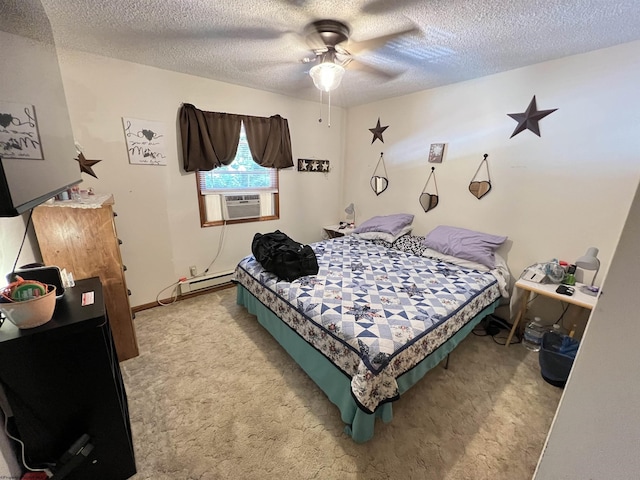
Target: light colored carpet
<point>213,396</point>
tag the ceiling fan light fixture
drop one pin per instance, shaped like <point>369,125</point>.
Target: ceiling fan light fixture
<point>327,76</point>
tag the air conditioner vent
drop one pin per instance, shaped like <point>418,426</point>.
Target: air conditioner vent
<point>236,207</point>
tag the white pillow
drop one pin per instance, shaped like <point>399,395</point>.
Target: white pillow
<point>461,262</point>
<point>387,237</point>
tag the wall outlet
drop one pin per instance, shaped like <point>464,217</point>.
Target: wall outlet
<point>193,270</point>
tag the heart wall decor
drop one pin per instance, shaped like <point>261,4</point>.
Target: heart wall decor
<point>429,201</point>
<point>479,188</point>
<point>379,184</point>
<point>379,181</point>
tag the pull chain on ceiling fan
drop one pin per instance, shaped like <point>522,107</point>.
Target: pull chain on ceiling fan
<point>325,38</point>
<point>328,73</point>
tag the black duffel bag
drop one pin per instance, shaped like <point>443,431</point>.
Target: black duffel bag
<point>279,254</point>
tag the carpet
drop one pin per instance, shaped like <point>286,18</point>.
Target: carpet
<point>213,396</point>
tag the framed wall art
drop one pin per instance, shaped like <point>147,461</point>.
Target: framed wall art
<point>19,136</point>
<point>436,152</point>
<point>145,141</point>
<point>313,165</point>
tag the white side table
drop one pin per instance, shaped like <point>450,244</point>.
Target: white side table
<point>334,231</point>
<point>548,290</point>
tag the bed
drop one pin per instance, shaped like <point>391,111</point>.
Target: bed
<point>376,317</point>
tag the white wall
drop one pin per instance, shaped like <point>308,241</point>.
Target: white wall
<point>158,217</point>
<point>11,233</point>
<point>597,425</point>
<point>554,195</point>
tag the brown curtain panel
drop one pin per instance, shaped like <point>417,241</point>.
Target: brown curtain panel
<point>209,139</point>
<point>269,141</point>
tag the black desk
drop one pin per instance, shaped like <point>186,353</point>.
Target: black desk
<point>62,380</point>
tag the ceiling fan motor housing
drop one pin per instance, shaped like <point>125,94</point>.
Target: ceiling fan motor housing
<point>331,32</point>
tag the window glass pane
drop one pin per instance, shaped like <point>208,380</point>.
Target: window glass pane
<point>242,174</point>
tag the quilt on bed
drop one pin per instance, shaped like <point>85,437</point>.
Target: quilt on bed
<point>374,312</point>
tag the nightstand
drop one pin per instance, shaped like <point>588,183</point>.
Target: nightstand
<point>334,231</point>
<point>548,290</point>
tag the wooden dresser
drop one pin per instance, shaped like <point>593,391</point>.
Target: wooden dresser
<point>81,237</point>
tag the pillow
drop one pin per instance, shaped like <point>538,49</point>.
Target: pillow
<point>466,244</point>
<point>391,224</point>
<point>461,262</point>
<point>410,244</point>
<point>387,237</point>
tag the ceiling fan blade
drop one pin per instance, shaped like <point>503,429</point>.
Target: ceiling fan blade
<point>248,33</point>
<point>377,7</point>
<point>354,64</point>
<point>375,43</point>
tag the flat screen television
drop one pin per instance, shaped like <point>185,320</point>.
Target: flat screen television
<point>37,149</point>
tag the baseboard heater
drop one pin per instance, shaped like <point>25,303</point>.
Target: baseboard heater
<point>196,284</point>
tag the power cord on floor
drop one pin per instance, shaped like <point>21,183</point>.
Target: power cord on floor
<point>492,326</point>
<point>174,292</point>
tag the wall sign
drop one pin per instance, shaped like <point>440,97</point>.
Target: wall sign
<point>19,137</point>
<point>146,143</point>
<point>311,165</point>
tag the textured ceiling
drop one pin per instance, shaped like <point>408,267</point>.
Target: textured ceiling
<point>260,43</point>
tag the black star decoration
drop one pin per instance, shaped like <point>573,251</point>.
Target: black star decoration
<point>85,165</point>
<point>528,120</point>
<point>377,131</point>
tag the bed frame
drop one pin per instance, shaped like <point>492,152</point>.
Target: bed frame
<point>335,383</point>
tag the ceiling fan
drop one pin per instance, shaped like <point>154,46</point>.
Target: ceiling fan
<point>326,39</point>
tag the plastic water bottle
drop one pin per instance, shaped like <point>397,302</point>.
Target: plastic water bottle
<point>533,333</point>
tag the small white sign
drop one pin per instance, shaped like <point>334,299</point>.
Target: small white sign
<point>146,141</point>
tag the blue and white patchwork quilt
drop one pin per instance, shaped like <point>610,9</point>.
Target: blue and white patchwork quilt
<point>374,312</point>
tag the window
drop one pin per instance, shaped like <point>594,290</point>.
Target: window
<point>242,177</point>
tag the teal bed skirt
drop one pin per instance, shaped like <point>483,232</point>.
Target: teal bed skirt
<point>335,384</point>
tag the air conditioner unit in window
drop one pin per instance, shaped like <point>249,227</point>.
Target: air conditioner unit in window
<point>236,207</point>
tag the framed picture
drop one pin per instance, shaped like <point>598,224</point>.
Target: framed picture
<point>436,152</point>
<point>146,143</point>
<point>19,136</point>
<point>313,165</point>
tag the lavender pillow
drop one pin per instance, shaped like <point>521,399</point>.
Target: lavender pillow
<point>467,244</point>
<point>391,224</point>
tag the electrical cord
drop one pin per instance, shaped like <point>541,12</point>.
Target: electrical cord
<point>562,316</point>
<point>174,292</point>
<point>24,462</point>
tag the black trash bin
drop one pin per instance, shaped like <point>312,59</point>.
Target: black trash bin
<point>556,356</point>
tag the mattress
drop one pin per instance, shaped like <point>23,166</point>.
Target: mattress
<point>374,312</point>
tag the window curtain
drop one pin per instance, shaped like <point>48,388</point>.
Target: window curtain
<point>269,141</point>
<point>210,139</point>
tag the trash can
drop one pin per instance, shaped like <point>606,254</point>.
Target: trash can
<point>556,357</point>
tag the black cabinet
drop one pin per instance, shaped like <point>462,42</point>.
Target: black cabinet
<point>62,380</point>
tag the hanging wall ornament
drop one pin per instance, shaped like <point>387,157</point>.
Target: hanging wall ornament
<point>377,131</point>
<point>86,164</point>
<point>480,188</point>
<point>528,120</point>
<point>429,201</point>
<point>379,183</point>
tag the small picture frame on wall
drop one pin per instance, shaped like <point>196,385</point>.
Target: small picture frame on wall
<point>313,165</point>
<point>436,152</point>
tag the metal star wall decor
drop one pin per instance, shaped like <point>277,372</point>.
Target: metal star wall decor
<point>528,120</point>
<point>377,131</point>
<point>85,164</point>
